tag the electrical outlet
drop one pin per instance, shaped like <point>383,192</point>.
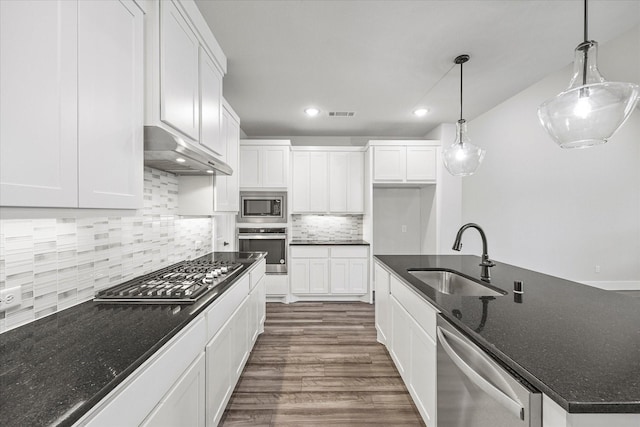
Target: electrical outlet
<point>9,298</point>
<point>404,228</point>
<point>597,269</point>
<point>197,245</point>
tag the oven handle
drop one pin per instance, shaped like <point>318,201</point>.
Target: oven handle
<point>262,236</point>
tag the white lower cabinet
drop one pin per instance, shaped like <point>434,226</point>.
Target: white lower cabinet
<point>382,302</point>
<point>329,270</point>
<point>184,404</point>
<point>407,324</point>
<point>219,375</point>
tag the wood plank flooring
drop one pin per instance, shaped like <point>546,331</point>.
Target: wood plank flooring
<point>319,364</point>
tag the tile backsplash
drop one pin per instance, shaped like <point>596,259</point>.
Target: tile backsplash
<point>63,260</point>
<point>326,227</point>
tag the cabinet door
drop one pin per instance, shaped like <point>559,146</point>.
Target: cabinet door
<point>224,233</point>
<point>227,196</point>
<point>355,183</point>
<point>318,182</point>
<point>185,402</point>
<point>318,276</point>
<point>39,110</point>
<point>400,338</point>
<point>338,181</point>
<point>262,303</point>
<point>382,301</point>
<point>389,163</point>
<point>421,163</point>
<point>299,276</point>
<point>220,381</point>
<point>250,167</point>
<point>240,337</point>
<point>358,274</point>
<point>339,276</point>
<point>275,167</point>
<point>422,382</point>
<point>110,105</point>
<point>211,106</point>
<point>179,92</point>
<point>301,182</point>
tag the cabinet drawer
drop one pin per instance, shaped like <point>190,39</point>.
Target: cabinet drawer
<point>350,252</point>
<point>309,252</point>
<point>423,312</point>
<point>222,310</point>
<point>257,273</point>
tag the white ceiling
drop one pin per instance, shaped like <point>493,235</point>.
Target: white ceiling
<point>382,59</point>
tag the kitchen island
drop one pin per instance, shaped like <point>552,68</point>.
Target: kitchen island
<point>57,369</point>
<point>578,345</point>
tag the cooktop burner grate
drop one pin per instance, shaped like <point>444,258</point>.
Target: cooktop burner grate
<point>181,283</point>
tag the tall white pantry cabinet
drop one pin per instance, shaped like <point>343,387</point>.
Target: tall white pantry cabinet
<point>71,110</point>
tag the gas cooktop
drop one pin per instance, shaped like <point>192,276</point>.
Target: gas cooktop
<point>181,283</point>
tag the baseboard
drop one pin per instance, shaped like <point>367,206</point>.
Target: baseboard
<point>619,285</point>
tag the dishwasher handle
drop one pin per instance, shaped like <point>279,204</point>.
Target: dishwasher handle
<point>512,405</point>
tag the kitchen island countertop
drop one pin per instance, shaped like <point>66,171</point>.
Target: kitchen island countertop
<point>54,370</point>
<point>578,344</point>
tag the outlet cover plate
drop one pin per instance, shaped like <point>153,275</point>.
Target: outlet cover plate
<point>10,298</point>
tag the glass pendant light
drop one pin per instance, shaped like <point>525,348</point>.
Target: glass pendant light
<point>462,158</point>
<point>592,109</point>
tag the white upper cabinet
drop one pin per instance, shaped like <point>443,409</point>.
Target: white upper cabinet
<point>179,88</point>
<point>110,104</point>
<point>227,192</point>
<point>328,181</point>
<point>264,164</point>
<point>184,70</point>
<point>38,82</point>
<point>346,182</point>
<point>404,162</point>
<point>75,70</point>
<point>309,180</point>
<point>211,113</point>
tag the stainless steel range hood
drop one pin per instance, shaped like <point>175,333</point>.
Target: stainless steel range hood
<point>168,152</point>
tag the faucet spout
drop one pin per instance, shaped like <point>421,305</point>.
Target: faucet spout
<point>486,261</point>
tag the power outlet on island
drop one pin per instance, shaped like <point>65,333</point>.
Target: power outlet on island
<point>10,298</point>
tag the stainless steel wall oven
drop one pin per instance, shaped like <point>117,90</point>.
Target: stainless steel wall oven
<point>270,240</point>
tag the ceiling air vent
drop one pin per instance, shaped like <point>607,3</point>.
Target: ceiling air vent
<point>341,113</point>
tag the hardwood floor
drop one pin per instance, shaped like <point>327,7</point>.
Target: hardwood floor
<point>319,364</point>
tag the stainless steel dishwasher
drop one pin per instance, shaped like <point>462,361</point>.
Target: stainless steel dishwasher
<point>475,391</point>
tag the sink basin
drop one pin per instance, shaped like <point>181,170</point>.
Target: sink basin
<point>448,282</point>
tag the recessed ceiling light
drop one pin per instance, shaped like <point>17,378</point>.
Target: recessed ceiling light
<point>311,111</point>
<point>180,160</point>
<point>210,171</point>
<point>420,112</point>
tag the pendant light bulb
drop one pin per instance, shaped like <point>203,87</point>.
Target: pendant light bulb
<point>591,109</point>
<point>462,158</point>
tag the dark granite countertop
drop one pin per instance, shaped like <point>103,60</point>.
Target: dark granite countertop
<point>328,242</point>
<point>54,370</point>
<point>578,344</point>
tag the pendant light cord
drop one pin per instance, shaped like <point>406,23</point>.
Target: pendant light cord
<point>586,22</point>
<point>586,46</point>
<point>461,64</point>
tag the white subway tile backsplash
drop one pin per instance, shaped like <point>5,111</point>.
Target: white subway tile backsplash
<point>60,262</point>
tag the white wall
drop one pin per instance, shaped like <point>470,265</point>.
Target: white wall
<point>559,211</point>
<point>394,208</point>
<point>448,197</point>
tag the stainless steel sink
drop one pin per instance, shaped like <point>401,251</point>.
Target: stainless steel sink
<point>448,282</point>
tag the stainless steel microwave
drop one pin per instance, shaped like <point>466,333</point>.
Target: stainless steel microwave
<point>263,206</point>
